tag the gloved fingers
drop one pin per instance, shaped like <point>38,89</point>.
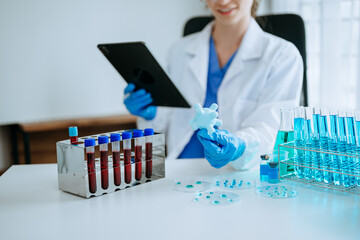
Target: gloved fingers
<point>213,106</point>
<point>198,108</point>
<point>218,123</point>
<point>137,94</point>
<point>129,88</point>
<point>204,134</point>
<point>213,115</point>
<point>150,112</point>
<point>211,147</point>
<point>139,100</point>
<point>216,163</point>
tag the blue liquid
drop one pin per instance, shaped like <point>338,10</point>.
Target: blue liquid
<point>299,154</point>
<point>317,174</point>
<point>324,146</point>
<point>351,147</point>
<point>357,160</point>
<point>308,156</point>
<point>344,165</point>
<point>335,162</point>
<point>264,175</point>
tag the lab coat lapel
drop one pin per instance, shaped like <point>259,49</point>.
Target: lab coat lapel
<point>199,53</point>
<point>250,48</point>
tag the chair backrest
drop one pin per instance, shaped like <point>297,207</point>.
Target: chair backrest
<point>288,26</point>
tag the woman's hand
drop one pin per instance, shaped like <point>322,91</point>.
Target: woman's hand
<point>138,103</point>
<point>221,147</point>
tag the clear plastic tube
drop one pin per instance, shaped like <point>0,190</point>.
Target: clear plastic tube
<point>324,145</point>
<point>299,140</point>
<point>103,146</point>
<point>138,157</point>
<point>127,159</point>
<point>148,152</point>
<point>90,156</point>
<point>318,175</point>
<point>115,147</point>
<point>334,138</point>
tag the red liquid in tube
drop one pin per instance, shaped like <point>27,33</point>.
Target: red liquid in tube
<point>148,158</point>
<point>116,166</point>
<point>138,164</point>
<point>127,165</point>
<point>91,171</point>
<point>74,140</point>
<point>104,169</point>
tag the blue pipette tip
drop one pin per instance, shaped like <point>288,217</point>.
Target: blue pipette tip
<point>148,131</point>
<point>115,137</point>
<point>89,142</point>
<point>126,135</point>
<point>103,139</point>
<point>138,133</point>
<point>73,131</point>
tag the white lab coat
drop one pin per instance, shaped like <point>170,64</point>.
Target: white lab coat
<point>265,75</point>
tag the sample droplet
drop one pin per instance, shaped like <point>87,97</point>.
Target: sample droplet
<point>198,182</point>
<point>189,186</point>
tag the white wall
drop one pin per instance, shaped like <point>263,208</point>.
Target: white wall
<point>50,67</point>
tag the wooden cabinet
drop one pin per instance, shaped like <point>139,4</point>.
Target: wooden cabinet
<point>36,142</point>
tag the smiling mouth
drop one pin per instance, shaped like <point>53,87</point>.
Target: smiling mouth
<point>225,11</point>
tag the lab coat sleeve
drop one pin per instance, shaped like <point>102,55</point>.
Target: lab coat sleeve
<point>282,89</point>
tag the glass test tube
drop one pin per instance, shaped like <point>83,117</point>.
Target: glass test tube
<point>324,145</point>
<point>126,136</point>
<point>148,132</point>
<point>308,142</point>
<point>73,133</point>
<point>115,147</point>
<point>333,145</point>
<point>103,145</point>
<point>299,116</point>
<point>344,165</point>
<point>351,144</point>
<point>318,175</point>
<point>357,160</point>
<point>90,156</point>
<point>139,141</point>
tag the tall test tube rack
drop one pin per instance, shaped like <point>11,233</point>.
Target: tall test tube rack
<point>355,174</point>
<point>73,169</point>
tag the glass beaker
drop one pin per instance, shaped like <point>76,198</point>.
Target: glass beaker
<point>284,135</point>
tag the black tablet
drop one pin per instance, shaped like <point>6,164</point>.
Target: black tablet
<point>137,65</point>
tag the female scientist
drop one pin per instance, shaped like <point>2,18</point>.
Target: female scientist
<point>250,74</point>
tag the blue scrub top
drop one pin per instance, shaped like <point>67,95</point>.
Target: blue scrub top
<point>194,149</point>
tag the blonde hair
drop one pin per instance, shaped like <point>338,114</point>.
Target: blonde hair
<point>254,8</point>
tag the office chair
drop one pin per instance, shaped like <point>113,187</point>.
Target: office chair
<point>287,26</point>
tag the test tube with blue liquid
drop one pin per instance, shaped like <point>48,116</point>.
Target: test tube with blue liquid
<point>299,143</point>
<point>342,142</point>
<point>324,145</point>
<point>357,160</point>
<point>351,144</point>
<point>308,142</point>
<point>333,145</point>
<point>318,175</point>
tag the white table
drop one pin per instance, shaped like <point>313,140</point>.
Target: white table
<point>32,207</point>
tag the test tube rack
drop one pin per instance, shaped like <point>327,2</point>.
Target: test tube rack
<point>73,173</point>
<point>290,146</point>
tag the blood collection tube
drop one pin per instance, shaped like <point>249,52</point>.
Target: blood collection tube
<point>138,135</point>
<point>103,146</point>
<point>90,156</point>
<point>148,132</point>
<point>115,147</point>
<point>73,133</point>
<point>126,136</point>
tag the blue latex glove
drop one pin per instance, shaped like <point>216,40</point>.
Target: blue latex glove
<point>138,103</point>
<point>221,147</point>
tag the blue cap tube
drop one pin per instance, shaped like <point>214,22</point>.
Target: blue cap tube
<point>115,137</point>
<point>73,131</point>
<point>138,133</point>
<point>103,139</point>
<point>148,131</point>
<point>89,142</point>
<point>126,135</point>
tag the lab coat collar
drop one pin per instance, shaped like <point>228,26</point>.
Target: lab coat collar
<point>250,48</point>
<point>199,50</point>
